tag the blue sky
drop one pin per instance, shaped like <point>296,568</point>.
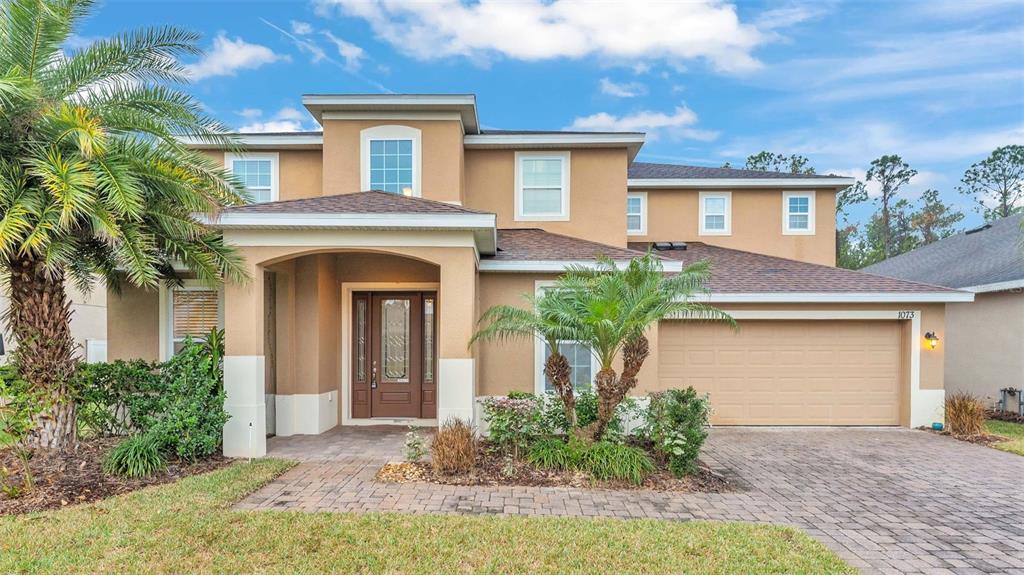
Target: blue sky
<point>939,82</point>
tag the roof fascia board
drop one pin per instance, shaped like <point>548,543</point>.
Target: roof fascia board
<point>836,297</point>
<point>824,182</point>
<point>631,141</point>
<point>463,104</point>
<point>342,220</point>
<point>997,286</point>
<point>259,140</point>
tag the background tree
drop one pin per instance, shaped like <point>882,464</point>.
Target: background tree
<point>93,182</point>
<point>612,309</point>
<point>846,232</point>
<point>766,161</point>
<point>935,220</point>
<point>891,173</point>
<point>996,183</point>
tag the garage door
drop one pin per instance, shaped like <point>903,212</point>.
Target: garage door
<point>787,372</point>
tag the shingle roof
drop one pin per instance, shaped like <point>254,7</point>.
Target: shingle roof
<point>644,170</point>
<point>371,202</point>
<point>990,254</point>
<point>735,271</point>
<point>532,244</point>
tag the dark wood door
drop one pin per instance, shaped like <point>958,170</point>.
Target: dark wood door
<point>394,354</point>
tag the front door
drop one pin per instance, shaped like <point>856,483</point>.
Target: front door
<point>393,354</point>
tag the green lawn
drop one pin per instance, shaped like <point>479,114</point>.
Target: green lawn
<point>186,528</point>
<point>1013,432</point>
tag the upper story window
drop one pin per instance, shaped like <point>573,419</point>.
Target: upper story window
<point>798,213</point>
<point>636,213</point>
<point>257,172</point>
<point>390,159</point>
<point>715,213</point>
<point>542,186</point>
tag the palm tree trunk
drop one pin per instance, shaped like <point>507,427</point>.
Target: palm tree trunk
<point>611,390</point>
<point>40,321</point>
<point>557,369</point>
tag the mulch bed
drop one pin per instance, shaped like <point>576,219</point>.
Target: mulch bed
<point>1004,416</point>
<point>981,439</point>
<point>63,479</point>
<point>494,469</point>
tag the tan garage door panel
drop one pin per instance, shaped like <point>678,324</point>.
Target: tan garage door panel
<point>788,372</point>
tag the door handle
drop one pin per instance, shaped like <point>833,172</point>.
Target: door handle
<point>373,375</point>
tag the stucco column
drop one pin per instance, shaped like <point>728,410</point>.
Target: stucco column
<point>457,297</point>
<point>244,361</point>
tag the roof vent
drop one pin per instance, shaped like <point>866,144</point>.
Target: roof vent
<point>978,229</point>
<point>681,246</point>
<point>669,246</point>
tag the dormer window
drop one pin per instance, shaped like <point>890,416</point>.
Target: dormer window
<point>257,172</point>
<point>390,159</point>
<point>798,213</point>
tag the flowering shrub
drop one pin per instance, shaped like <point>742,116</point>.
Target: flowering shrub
<point>513,422</point>
<point>677,422</point>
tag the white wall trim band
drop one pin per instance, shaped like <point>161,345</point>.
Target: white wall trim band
<point>823,182</point>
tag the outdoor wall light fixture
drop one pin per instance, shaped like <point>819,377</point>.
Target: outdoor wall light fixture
<point>933,339</point>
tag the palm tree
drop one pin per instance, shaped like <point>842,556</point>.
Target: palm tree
<point>612,309</point>
<point>94,182</point>
<point>542,319</point>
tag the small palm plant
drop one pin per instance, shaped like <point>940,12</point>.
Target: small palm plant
<point>548,318</point>
<point>94,182</point>
<point>612,308</point>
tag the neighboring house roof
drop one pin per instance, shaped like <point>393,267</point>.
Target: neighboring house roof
<point>371,202</point>
<point>989,258</point>
<point>647,175</point>
<point>739,272</point>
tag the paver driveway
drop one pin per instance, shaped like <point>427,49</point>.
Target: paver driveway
<point>887,500</point>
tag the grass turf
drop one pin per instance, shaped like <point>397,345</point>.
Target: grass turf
<point>1013,432</point>
<point>187,527</point>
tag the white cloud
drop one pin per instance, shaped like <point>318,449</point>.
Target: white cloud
<point>623,90</point>
<point>641,68</point>
<point>352,54</point>
<point>229,56</point>
<point>679,124</point>
<point>301,28</point>
<point>290,113</point>
<point>287,119</point>
<point>537,30</point>
<point>250,113</point>
<point>272,126</point>
<point>791,14</point>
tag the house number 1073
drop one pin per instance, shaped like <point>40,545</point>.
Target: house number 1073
<point>905,315</point>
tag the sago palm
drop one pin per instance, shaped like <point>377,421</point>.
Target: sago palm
<point>612,308</point>
<point>93,180</point>
<point>541,319</point>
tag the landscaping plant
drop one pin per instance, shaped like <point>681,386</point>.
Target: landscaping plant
<point>137,456</point>
<point>611,308</point>
<point>513,422</point>
<point>606,460</point>
<point>117,398</point>
<point>557,454</point>
<point>415,446</point>
<point>965,415</point>
<point>94,181</point>
<point>453,449</point>
<point>19,405</point>
<point>677,422</point>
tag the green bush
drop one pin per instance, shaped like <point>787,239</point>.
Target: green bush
<point>117,398</point>
<point>677,422</point>
<point>607,460</point>
<point>513,422</point>
<point>554,453</point>
<point>137,456</point>
<point>553,417</point>
<point>19,406</point>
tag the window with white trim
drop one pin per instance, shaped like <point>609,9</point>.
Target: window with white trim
<point>715,213</point>
<point>390,159</point>
<point>257,172</point>
<point>194,312</point>
<point>636,213</point>
<point>798,213</point>
<point>542,186</point>
<point>581,364</point>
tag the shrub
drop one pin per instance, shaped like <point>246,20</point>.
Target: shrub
<point>191,407</point>
<point>117,398</point>
<point>415,446</point>
<point>513,422</point>
<point>453,449</point>
<point>553,418</point>
<point>606,460</point>
<point>965,415</point>
<point>20,404</point>
<point>554,453</point>
<point>137,456</point>
<point>677,423</point>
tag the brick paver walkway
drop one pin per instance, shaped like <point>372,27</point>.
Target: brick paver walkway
<point>887,500</point>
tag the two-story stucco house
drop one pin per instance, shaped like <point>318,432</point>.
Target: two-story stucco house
<point>363,302</point>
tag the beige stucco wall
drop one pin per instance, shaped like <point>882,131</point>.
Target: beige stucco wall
<point>88,318</point>
<point>597,192</point>
<point>442,156</point>
<point>674,215</point>
<point>985,344</point>
<point>133,324</point>
<point>301,172</point>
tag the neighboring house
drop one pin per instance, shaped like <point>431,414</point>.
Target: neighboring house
<point>88,324</point>
<point>362,303</point>
<point>984,339</point>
